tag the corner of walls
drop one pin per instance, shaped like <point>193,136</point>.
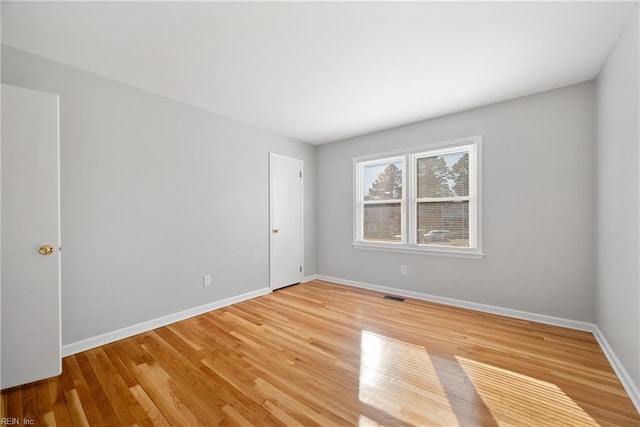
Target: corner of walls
<point>625,379</point>
<point>617,302</point>
<point>169,192</point>
<point>539,256</point>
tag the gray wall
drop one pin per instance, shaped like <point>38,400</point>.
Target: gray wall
<point>155,194</point>
<point>539,204</point>
<point>618,283</point>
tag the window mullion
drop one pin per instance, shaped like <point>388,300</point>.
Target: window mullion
<point>411,196</point>
<point>406,185</point>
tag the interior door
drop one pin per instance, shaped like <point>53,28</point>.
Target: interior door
<point>30,255</point>
<point>285,183</point>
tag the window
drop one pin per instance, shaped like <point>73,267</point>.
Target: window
<point>425,199</point>
<point>381,200</point>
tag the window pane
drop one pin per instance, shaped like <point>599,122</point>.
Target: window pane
<point>382,181</point>
<point>443,223</point>
<point>383,222</point>
<point>443,176</point>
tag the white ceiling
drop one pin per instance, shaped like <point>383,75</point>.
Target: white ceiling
<point>321,72</point>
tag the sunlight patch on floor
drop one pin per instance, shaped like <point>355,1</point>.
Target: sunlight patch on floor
<point>364,421</point>
<point>398,378</point>
<point>516,399</point>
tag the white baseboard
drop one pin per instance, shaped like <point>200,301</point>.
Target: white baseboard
<point>309,278</point>
<point>628,384</point>
<point>623,375</point>
<point>524,315</point>
<point>109,337</point>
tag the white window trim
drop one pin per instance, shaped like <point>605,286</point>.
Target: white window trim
<point>409,157</point>
<point>359,204</point>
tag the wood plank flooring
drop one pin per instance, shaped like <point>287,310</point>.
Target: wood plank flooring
<point>324,354</point>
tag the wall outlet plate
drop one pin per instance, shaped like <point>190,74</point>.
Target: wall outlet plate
<point>206,280</point>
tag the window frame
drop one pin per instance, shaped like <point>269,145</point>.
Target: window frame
<point>409,202</point>
<point>361,203</point>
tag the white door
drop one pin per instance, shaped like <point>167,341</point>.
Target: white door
<point>285,200</point>
<point>31,347</point>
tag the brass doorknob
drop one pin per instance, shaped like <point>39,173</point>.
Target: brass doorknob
<point>276,230</point>
<point>46,250</point>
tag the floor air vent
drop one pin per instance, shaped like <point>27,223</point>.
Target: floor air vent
<point>391,297</point>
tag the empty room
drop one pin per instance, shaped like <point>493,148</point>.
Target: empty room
<point>320,213</point>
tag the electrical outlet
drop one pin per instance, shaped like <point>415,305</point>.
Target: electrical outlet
<point>403,269</point>
<point>206,280</point>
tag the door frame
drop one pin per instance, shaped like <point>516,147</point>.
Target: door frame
<point>273,156</point>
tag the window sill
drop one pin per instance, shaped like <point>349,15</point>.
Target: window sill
<point>420,250</point>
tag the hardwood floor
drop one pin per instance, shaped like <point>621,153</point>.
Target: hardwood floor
<point>324,354</point>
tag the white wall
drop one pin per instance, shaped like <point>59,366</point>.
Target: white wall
<point>618,281</point>
<point>155,194</point>
<point>539,204</point>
